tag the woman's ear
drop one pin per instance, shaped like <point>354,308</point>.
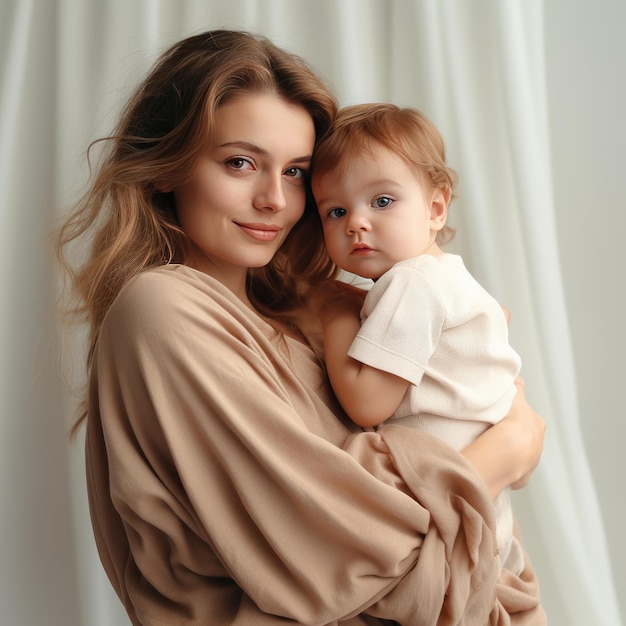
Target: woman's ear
<point>439,200</point>
<point>163,186</point>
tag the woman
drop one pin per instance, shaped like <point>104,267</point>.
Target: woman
<point>225,484</point>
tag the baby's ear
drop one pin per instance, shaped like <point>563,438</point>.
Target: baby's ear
<point>439,201</point>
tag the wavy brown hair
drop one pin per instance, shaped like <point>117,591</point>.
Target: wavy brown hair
<point>131,226</point>
<point>404,131</point>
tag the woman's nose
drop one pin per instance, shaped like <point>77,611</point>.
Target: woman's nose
<point>270,194</point>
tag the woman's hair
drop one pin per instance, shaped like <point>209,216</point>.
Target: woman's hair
<point>408,133</point>
<point>131,225</point>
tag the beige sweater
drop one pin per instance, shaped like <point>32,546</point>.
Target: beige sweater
<point>224,489</point>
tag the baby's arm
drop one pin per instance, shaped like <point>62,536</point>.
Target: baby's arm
<point>368,395</point>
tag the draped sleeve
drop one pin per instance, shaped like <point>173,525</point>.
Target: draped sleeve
<point>225,488</point>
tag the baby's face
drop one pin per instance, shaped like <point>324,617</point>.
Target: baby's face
<point>377,213</point>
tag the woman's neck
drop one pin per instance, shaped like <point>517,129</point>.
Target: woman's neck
<point>233,278</point>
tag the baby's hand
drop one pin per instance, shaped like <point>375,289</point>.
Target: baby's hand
<point>339,299</point>
<point>507,314</point>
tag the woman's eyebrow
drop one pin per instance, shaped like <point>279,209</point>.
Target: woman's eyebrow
<point>246,145</point>
<point>251,147</point>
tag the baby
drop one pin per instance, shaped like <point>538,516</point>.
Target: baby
<point>431,349</point>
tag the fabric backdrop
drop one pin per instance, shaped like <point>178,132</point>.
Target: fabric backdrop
<point>476,68</point>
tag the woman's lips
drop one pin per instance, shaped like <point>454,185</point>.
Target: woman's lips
<point>260,232</point>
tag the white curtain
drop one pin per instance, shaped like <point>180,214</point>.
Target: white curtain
<point>476,67</point>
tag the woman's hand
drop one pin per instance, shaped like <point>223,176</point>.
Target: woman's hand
<point>507,453</point>
<point>534,426</point>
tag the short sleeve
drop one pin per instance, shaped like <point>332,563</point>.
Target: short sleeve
<point>402,320</point>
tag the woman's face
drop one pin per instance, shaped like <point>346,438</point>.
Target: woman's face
<point>248,187</point>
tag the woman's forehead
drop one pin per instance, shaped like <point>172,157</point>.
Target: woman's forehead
<point>264,119</point>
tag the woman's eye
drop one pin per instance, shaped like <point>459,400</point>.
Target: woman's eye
<point>336,213</point>
<point>383,202</point>
<point>239,163</point>
<point>295,172</point>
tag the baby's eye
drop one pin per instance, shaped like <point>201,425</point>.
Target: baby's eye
<point>239,163</point>
<point>383,202</point>
<point>295,172</point>
<point>336,213</point>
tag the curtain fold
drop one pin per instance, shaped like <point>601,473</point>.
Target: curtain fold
<point>38,572</point>
<point>564,493</point>
<point>477,69</point>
